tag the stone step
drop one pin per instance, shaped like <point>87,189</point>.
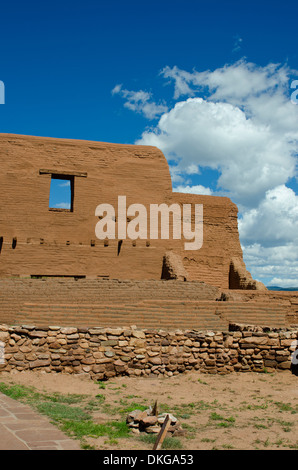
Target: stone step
<point>166,302</point>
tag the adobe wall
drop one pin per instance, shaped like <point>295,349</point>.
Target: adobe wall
<point>103,353</point>
<point>286,299</point>
<point>60,243</point>
<point>37,241</point>
<point>211,264</point>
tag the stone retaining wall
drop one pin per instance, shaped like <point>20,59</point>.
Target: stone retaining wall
<point>106,352</point>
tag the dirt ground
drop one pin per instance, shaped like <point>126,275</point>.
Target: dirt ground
<point>245,411</point>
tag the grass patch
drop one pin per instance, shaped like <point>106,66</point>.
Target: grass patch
<point>186,410</point>
<point>202,382</point>
<point>191,430</point>
<point>61,411</point>
<point>253,407</point>
<point>264,443</point>
<point>19,392</point>
<point>126,408</point>
<point>207,439</point>
<point>286,407</point>
<point>260,426</point>
<point>286,425</point>
<point>293,446</point>
<point>168,443</point>
<point>70,399</point>
<point>101,384</point>
<point>82,429</point>
<point>73,420</point>
<point>95,403</point>
<point>224,422</point>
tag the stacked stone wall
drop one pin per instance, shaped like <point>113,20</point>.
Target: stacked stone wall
<point>103,353</point>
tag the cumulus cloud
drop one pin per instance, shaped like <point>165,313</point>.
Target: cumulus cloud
<point>62,205</point>
<point>277,281</point>
<point>269,236</point>
<point>274,221</point>
<point>267,264</point>
<point>200,133</point>
<point>140,102</point>
<point>195,189</point>
<point>235,82</point>
<point>238,120</point>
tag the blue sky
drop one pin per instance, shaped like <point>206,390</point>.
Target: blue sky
<point>180,75</point>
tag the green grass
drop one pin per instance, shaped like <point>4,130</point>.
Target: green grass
<point>227,446</point>
<point>18,392</point>
<point>128,407</point>
<point>81,429</point>
<point>224,422</point>
<point>186,410</point>
<point>202,382</point>
<point>101,384</point>
<point>76,421</point>
<point>264,443</point>
<point>293,446</point>
<point>72,413</point>
<point>191,430</point>
<point>260,426</point>
<point>70,399</point>
<point>168,443</point>
<point>286,407</point>
<point>60,411</point>
<point>94,404</point>
<point>29,394</point>
<point>286,425</point>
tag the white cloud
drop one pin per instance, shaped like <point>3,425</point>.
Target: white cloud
<point>250,157</point>
<point>274,221</point>
<point>237,43</point>
<point>240,121</point>
<point>65,184</point>
<point>276,281</point>
<point>140,102</point>
<point>274,262</point>
<point>196,189</point>
<point>234,83</point>
<point>269,236</point>
<point>62,205</point>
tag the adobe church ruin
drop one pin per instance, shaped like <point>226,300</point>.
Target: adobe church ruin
<point>38,240</point>
<point>70,302</point>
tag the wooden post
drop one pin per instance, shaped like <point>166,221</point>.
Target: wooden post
<point>162,433</point>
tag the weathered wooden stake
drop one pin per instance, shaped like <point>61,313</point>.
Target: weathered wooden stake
<point>162,433</point>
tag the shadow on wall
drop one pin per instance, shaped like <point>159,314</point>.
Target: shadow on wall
<point>240,278</point>
<point>294,369</point>
<point>172,267</point>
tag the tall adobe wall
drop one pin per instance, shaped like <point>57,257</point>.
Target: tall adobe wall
<point>211,263</point>
<point>38,241</point>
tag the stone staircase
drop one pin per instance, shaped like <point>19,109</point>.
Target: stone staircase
<point>254,313</point>
<point>147,314</point>
<point>146,304</point>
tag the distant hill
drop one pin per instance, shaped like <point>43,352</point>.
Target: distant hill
<point>281,288</point>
